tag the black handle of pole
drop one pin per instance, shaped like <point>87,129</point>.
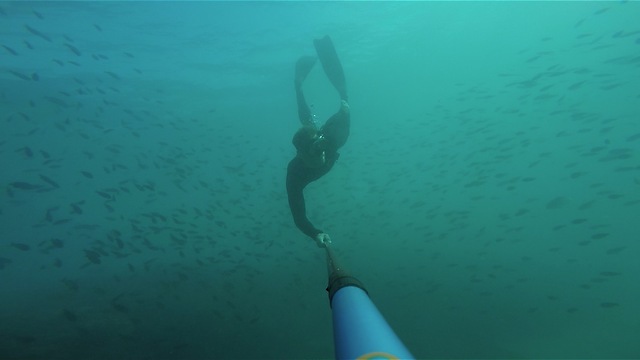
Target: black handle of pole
<point>338,277</point>
<point>332,263</point>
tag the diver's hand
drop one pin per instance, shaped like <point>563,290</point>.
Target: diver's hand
<point>322,239</point>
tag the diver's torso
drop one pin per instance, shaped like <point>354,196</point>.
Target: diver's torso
<point>305,174</point>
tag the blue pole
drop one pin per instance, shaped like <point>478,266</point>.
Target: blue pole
<point>359,330</point>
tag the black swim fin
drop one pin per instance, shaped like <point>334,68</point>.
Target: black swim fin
<point>331,64</point>
<point>303,66</point>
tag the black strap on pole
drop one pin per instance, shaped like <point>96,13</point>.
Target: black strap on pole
<point>338,277</point>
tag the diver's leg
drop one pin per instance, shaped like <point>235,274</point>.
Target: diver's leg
<point>331,64</point>
<point>303,66</point>
<point>304,113</point>
<point>336,129</point>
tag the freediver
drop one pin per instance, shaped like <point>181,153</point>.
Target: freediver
<point>317,147</point>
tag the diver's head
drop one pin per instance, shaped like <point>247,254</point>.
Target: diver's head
<point>311,146</point>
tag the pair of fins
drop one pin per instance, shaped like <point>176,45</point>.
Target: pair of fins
<point>330,63</point>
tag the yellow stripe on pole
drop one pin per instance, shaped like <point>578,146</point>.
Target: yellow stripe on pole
<point>377,356</point>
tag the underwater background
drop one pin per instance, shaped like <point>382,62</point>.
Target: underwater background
<point>488,196</point>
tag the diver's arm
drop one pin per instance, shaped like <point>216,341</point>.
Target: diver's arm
<point>297,206</point>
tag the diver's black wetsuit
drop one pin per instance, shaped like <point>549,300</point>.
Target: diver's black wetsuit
<point>335,132</point>
<point>299,175</point>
